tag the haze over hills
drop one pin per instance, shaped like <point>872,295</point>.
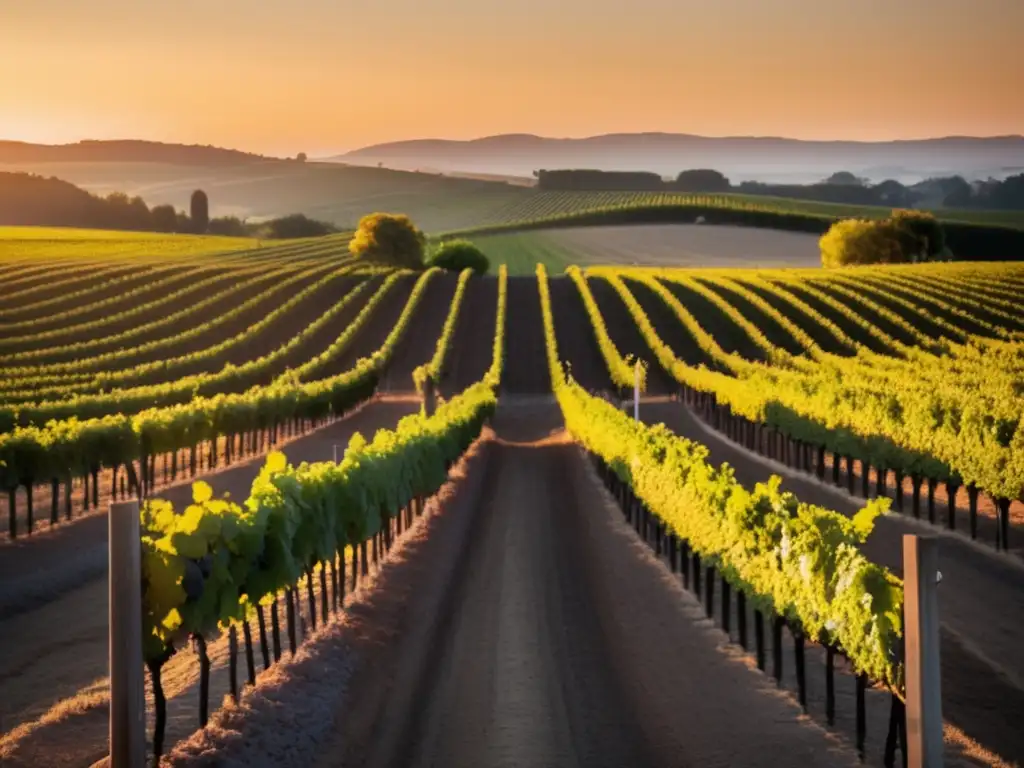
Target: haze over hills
<point>754,158</point>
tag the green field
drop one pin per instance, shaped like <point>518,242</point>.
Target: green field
<point>652,245</point>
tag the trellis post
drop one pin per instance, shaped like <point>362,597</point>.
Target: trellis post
<point>127,701</point>
<point>923,675</point>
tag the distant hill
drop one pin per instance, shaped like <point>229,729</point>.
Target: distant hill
<point>265,189</point>
<point>126,151</point>
<point>754,158</point>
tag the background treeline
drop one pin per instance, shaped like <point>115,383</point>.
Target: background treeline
<point>840,187</point>
<point>30,200</point>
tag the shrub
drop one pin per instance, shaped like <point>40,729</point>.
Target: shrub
<point>925,229</point>
<point>295,225</point>
<point>230,226</point>
<point>389,239</point>
<point>858,241</point>
<point>457,255</point>
<point>906,237</point>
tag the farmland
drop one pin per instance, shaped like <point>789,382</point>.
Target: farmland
<point>528,511</point>
<point>650,245</point>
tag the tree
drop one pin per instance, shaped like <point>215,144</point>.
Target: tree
<point>165,218</point>
<point>702,180</point>
<point>301,157</point>
<point>296,225</point>
<point>183,224</point>
<point>457,255</point>
<point>891,192</point>
<point>389,239</point>
<point>200,212</point>
<point>859,241</point>
<point>907,236</point>
<point>845,179</point>
<point>927,237</point>
<point>230,226</point>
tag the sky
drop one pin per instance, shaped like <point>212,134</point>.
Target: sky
<point>322,76</point>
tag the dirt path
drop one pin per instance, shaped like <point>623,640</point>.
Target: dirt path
<point>981,600</point>
<point>574,333</point>
<point>472,345</point>
<point>555,640</point>
<point>667,324</point>
<point>54,639</point>
<point>420,339</point>
<point>377,328</point>
<point>627,337</point>
<point>526,366</point>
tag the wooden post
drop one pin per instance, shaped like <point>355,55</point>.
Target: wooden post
<point>127,703</point>
<point>429,397</point>
<point>636,391</point>
<point>921,611</point>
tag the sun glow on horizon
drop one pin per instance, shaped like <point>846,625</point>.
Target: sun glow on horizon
<point>312,76</point>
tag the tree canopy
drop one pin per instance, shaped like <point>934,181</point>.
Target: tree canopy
<point>702,180</point>
<point>457,255</point>
<point>388,238</point>
<point>905,237</point>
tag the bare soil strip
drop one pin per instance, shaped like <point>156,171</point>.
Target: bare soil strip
<point>981,598</point>
<point>627,337</point>
<point>574,333</point>
<point>420,339</point>
<point>526,368</point>
<point>472,345</point>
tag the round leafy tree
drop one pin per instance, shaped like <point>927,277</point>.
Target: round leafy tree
<point>457,255</point>
<point>388,238</point>
<point>906,237</point>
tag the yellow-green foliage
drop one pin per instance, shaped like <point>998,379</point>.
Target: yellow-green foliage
<point>32,243</point>
<point>294,518</point>
<point>859,241</point>
<point>388,238</point>
<point>797,559</point>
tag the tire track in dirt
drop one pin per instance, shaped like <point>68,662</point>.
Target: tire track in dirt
<point>49,591</point>
<point>420,338</point>
<point>981,599</point>
<point>577,342</point>
<point>627,337</point>
<point>472,344</point>
<point>556,639</point>
<point>526,364</point>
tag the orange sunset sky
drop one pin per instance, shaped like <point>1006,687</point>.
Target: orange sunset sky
<point>319,76</point>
